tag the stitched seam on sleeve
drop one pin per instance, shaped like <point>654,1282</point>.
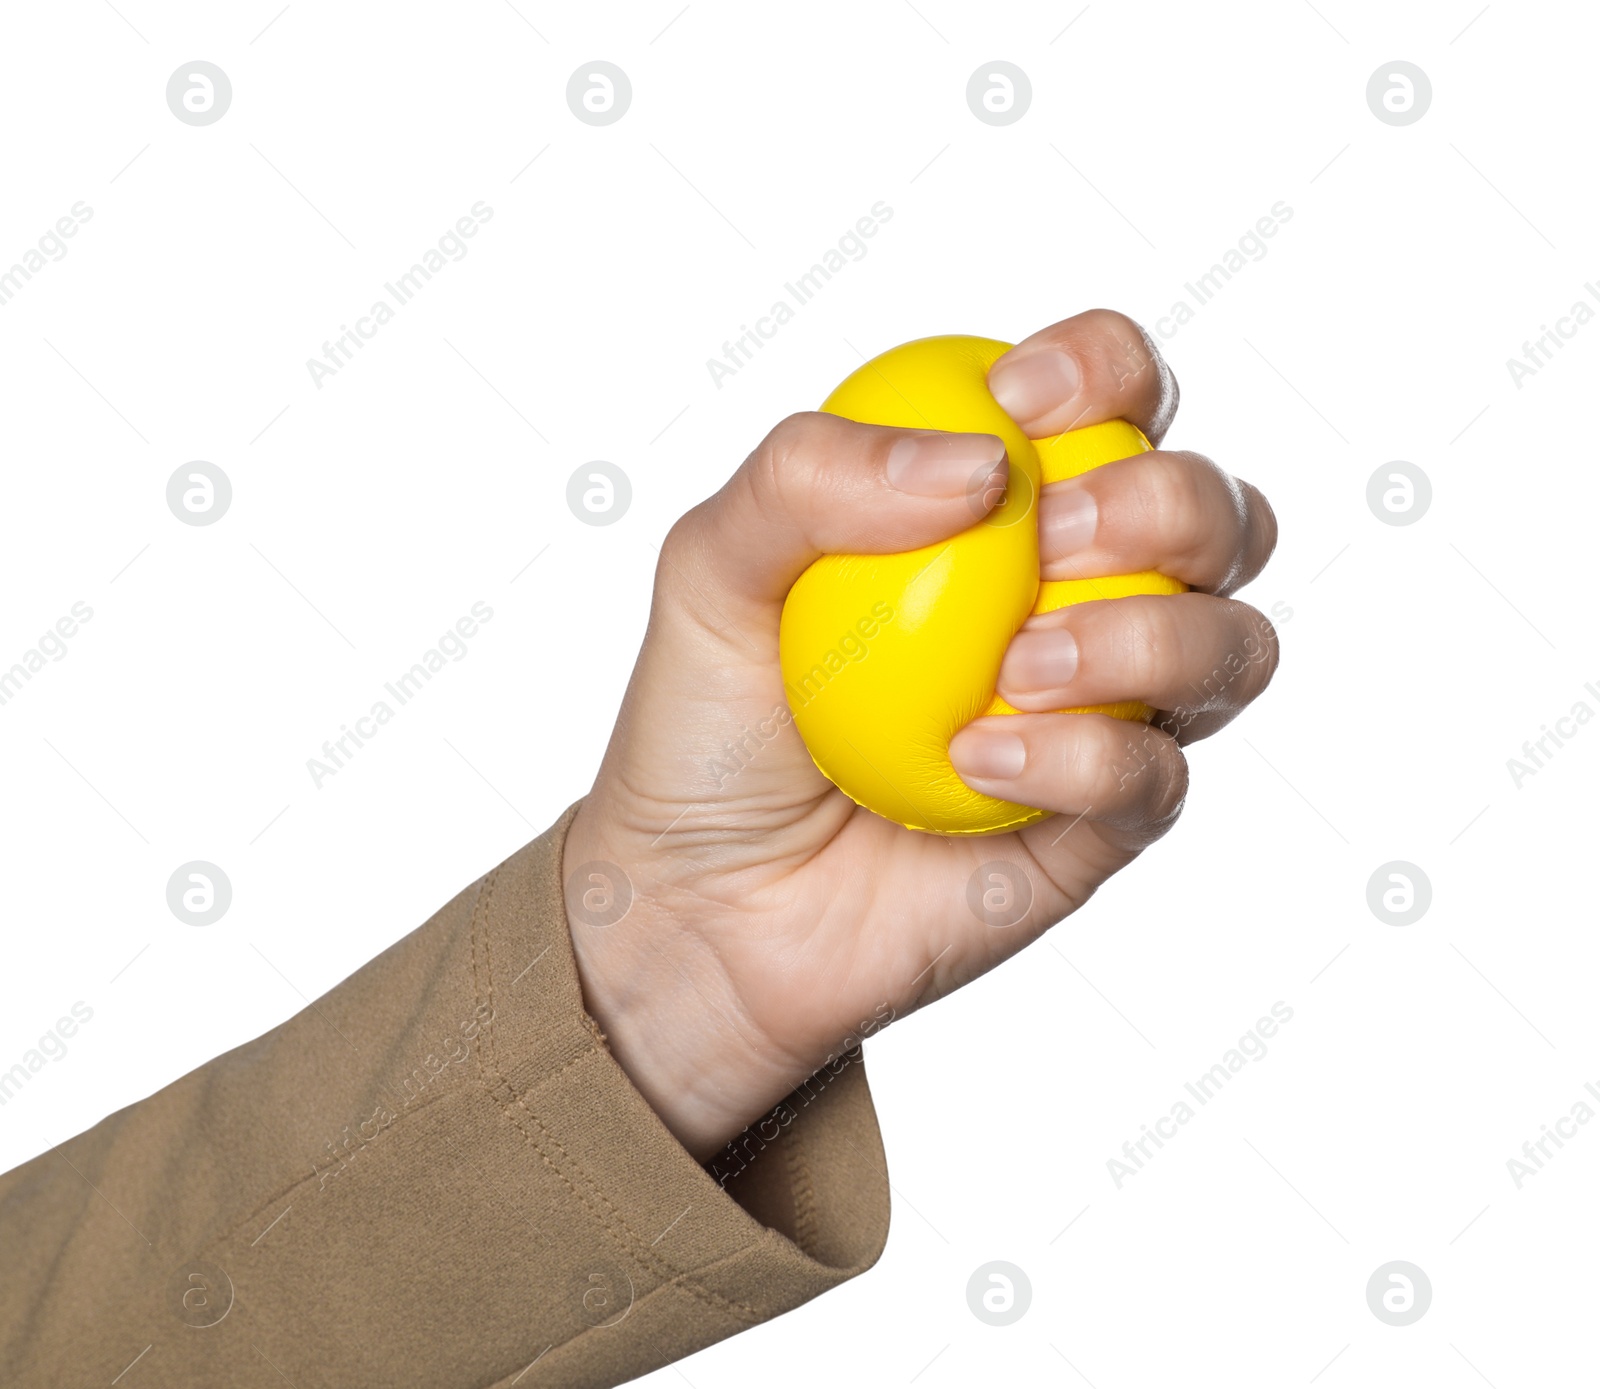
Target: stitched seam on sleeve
<point>803,1190</point>
<point>674,1283</point>
<point>244,1222</point>
<point>628,1240</point>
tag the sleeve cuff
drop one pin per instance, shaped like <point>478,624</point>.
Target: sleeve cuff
<point>674,1257</point>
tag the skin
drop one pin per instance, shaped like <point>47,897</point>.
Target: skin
<point>771,916</point>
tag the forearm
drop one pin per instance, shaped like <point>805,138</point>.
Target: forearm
<point>432,1176</point>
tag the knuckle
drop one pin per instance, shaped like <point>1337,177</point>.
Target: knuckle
<point>1248,664</point>
<point>1147,646</point>
<point>682,546</point>
<point>1115,324</point>
<point>1127,360</point>
<point>1169,491</point>
<point>788,442</point>
<point>1107,766</point>
<point>1115,766</point>
<point>1264,522</point>
<point>1131,352</point>
<point>793,463</point>
<point>1140,778</point>
<point>1170,785</point>
<point>1263,642</point>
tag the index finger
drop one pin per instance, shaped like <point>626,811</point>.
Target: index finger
<point>1092,367</point>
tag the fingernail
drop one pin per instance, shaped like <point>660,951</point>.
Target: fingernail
<point>1040,662</point>
<point>1034,384</point>
<point>946,465</point>
<point>988,754</point>
<point>1067,518</point>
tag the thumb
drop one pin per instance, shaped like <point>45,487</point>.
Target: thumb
<point>819,484</point>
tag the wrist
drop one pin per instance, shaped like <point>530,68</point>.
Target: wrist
<point>670,1015</point>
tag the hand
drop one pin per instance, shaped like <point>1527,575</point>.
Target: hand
<point>772,916</point>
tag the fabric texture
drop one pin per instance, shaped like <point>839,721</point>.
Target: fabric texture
<point>435,1175</point>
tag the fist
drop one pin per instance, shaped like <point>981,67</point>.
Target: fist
<point>886,657</point>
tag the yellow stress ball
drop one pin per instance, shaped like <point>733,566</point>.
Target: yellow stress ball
<point>885,657</point>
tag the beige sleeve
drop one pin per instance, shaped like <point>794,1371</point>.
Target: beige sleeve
<point>436,1175</point>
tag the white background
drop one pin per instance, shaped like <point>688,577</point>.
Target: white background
<point>370,514</point>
